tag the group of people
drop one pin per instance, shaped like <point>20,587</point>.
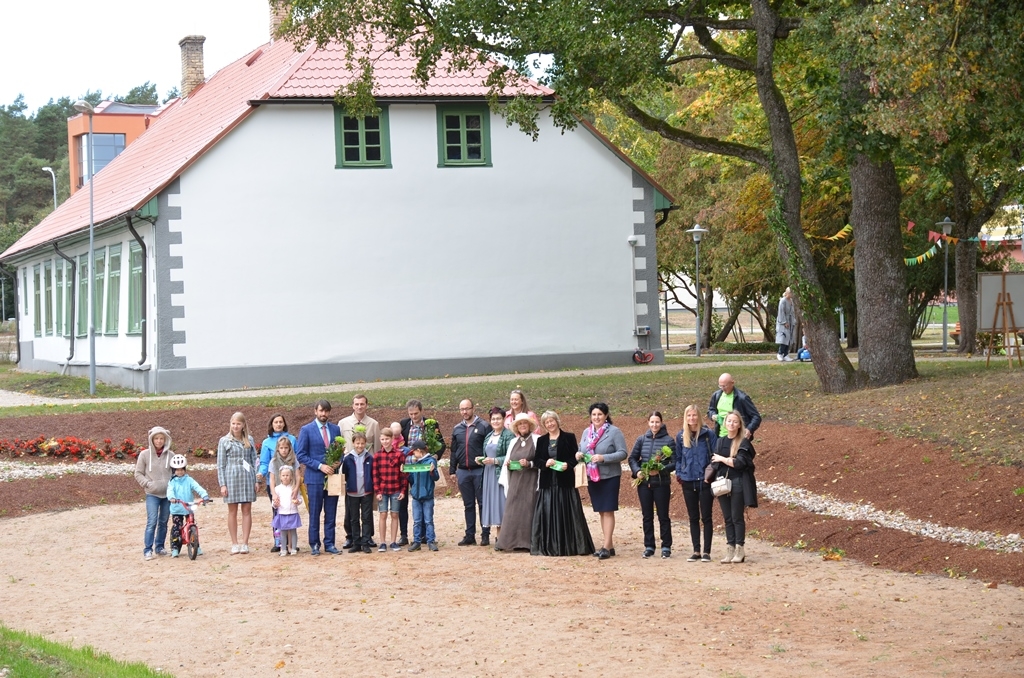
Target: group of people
<point>517,473</point>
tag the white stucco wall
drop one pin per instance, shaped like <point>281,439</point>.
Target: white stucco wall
<point>118,348</point>
<point>526,257</point>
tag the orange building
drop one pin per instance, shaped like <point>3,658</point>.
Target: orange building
<point>114,126</point>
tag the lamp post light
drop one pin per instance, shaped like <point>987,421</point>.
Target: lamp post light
<point>698,233</point>
<point>87,108</point>
<point>54,177</point>
<point>947,227</point>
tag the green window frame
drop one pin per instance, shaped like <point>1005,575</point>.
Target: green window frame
<point>24,291</point>
<point>58,316</point>
<point>113,290</point>
<point>99,277</point>
<point>362,142</point>
<point>48,298</point>
<point>83,295</point>
<point>463,136</point>
<point>135,289</point>
<point>37,319</point>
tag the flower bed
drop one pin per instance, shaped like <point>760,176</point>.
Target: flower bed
<point>74,449</point>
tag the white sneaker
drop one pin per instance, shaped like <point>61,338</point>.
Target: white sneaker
<point>294,552</point>
<point>778,357</point>
<point>244,548</point>
<point>148,555</point>
<point>788,359</point>
<point>235,548</point>
<point>283,553</point>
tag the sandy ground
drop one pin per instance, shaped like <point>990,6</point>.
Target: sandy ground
<point>78,576</point>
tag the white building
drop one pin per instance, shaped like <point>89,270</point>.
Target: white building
<point>282,242</point>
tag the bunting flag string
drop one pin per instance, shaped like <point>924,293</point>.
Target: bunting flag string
<point>921,258</point>
<point>842,234</point>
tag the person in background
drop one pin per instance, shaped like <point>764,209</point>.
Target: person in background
<point>276,428</point>
<point>358,469</point>
<point>421,489</point>
<point>785,325</point>
<point>694,446</point>
<point>521,501</point>
<point>390,484</point>
<point>603,448</point>
<point>804,354</point>
<point>287,520</point>
<point>152,473</point>
<point>734,459</point>
<point>372,430</point>
<point>516,406</point>
<point>656,490</point>
<point>182,489</point>
<point>728,398</point>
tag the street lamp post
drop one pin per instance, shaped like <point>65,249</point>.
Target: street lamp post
<point>947,227</point>
<point>54,177</point>
<point>698,233</point>
<point>87,108</point>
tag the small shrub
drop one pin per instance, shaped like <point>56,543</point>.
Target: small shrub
<point>1018,492</point>
<point>745,347</point>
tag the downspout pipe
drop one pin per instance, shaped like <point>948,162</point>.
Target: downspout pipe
<point>74,288</point>
<point>17,309</point>
<point>142,287</point>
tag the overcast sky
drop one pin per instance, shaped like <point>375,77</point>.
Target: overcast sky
<point>55,48</point>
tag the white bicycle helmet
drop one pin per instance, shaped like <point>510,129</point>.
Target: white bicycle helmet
<point>179,461</point>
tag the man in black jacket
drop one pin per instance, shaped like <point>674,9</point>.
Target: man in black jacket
<point>728,398</point>
<point>413,429</point>
<point>467,444</point>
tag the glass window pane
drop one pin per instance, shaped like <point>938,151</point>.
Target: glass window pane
<point>452,122</point>
<point>373,154</point>
<point>474,153</point>
<point>373,138</point>
<point>473,122</point>
<point>350,123</point>
<point>352,154</point>
<point>453,153</point>
<point>372,123</point>
<point>473,137</point>
<point>351,138</point>
<point>453,137</point>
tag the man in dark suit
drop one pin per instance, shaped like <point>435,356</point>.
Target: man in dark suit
<point>413,429</point>
<point>310,449</point>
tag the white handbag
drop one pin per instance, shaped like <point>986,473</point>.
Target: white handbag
<point>722,486</point>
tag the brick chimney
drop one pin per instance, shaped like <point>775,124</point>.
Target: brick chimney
<point>278,13</point>
<point>191,63</point>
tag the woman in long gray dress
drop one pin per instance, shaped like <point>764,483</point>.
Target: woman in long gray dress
<point>236,475</point>
<point>785,325</point>
<point>521,501</point>
<point>492,505</point>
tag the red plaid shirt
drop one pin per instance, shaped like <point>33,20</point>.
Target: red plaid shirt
<point>387,472</point>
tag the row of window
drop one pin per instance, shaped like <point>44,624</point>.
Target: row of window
<point>52,292</point>
<point>463,138</point>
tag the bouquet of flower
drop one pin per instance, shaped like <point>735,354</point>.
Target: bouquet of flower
<point>432,437</point>
<point>335,452</point>
<point>653,466</point>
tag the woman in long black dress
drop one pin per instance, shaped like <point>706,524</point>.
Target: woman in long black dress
<point>559,525</point>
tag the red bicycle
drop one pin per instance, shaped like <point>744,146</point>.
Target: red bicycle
<point>190,530</point>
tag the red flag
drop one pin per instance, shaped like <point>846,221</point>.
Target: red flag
<point>910,226</point>
<point>933,236</point>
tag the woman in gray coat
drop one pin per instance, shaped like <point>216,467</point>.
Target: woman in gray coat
<point>603,448</point>
<point>785,325</point>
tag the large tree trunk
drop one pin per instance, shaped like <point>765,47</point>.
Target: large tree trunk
<point>835,373</point>
<point>968,225</point>
<point>709,306</point>
<point>886,353</point>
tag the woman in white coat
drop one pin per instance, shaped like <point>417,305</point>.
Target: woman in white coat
<point>785,325</point>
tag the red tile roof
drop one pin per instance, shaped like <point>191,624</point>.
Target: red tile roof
<point>326,71</point>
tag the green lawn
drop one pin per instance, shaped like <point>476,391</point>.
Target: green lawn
<point>31,656</point>
<point>53,385</point>
<point>935,315</point>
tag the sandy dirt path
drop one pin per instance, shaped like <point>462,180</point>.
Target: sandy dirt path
<point>78,576</point>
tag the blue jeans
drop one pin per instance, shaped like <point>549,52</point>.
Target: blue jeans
<point>158,511</point>
<point>423,520</point>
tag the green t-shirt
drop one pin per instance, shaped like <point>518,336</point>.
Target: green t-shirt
<point>724,408</point>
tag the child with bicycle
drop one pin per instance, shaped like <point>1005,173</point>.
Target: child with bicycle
<point>181,490</point>
<point>287,520</point>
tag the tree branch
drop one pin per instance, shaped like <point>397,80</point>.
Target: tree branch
<point>785,26</point>
<point>694,141</point>
<point>720,53</point>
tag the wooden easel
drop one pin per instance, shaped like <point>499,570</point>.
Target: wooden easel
<point>1004,309</point>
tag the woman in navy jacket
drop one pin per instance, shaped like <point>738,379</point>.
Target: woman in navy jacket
<point>655,491</point>
<point>694,446</point>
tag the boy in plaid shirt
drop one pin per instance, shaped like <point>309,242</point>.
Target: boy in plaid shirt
<point>391,485</point>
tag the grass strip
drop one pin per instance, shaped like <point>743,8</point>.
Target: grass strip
<point>27,655</point>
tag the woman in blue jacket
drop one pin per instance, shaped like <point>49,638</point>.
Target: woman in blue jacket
<point>275,429</point>
<point>655,489</point>
<point>694,445</point>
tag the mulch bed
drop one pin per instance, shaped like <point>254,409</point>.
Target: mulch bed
<point>850,463</point>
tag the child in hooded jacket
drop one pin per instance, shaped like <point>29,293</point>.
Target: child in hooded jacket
<point>153,472</point>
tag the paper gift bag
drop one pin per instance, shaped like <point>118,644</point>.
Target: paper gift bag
<point>335,485</point>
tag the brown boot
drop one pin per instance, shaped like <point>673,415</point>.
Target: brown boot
<point>729,551</point>
<point>739,556</point>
